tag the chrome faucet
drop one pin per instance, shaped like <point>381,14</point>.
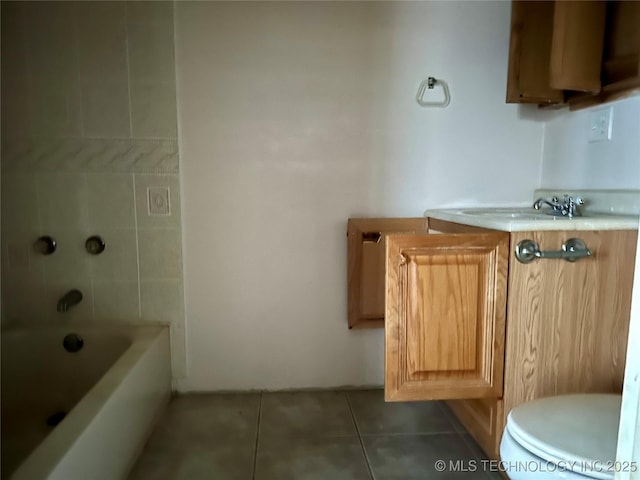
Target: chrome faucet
<point>568,207</point>
<point>556,207</point>
<point>69,299</point>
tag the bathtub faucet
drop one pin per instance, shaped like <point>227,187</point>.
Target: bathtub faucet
<point>71,298</point>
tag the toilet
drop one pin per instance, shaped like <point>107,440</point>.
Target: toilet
<point>563,437</point>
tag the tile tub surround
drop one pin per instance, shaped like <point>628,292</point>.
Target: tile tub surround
<point>87,70</point>
<point>136,280</point>
<point>89,124</point>
<point>304,435</point>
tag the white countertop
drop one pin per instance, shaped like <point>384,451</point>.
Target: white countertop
<point>527,219</point>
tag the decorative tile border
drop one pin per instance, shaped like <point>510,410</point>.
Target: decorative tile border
<point>91,155</point>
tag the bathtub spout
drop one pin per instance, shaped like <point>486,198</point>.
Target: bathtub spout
<point>71,298</point>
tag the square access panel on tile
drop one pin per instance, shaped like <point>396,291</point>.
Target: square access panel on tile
<point>158,201</point>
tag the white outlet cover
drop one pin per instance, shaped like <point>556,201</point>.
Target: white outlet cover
<point>158,201</point>
<point>600,124</point>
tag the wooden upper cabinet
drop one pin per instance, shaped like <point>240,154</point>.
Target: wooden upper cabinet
<point>530,53</point>
<point>577,45</point>
<point>556,46</point>
<point>621,66</point>
<point>366,264</point>
<point>445,315</point>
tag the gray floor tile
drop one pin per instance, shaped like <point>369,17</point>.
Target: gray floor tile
<point>305,414</point>
<point>491,470</point>
<point>374,416</point>
<point>193,420</point>
<point>409,457</point>
<point>328,458</point>
<point>473,445</point>
<point>229,461</point>
<point>202,437</point>
<point>451,416</point>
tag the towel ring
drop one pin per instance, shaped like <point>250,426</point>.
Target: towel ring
<point>430,83</point>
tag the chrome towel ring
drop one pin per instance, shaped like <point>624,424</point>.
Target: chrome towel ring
<point>430,83</point>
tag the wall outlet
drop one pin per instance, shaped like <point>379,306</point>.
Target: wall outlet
<point>158,201</point>
<point>600,124</point>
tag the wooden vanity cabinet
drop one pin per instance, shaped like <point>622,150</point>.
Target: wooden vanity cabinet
<point>467,323</point>
<point>568,323</point>
<point>566,327</point>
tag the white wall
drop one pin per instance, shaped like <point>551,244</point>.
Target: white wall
<point>295,116</point>
<point>570,161</point>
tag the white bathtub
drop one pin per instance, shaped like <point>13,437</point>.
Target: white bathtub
<point>113,389</point>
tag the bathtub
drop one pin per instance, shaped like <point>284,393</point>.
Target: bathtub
<point>112,390</point>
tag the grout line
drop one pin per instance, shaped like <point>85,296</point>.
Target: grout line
<point>412,434</point>
<point>355,424</point>
<point>126,38</point>
<point>79,77</point>
<point>91,274</point>
<point>255,451</point>
<point>135,223</point>
<point>464,436</point>
<point>467,439</point>
<point>451,418</point>
<point>37,180</point>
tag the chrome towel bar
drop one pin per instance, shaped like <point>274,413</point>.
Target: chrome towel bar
<point>572,250</point>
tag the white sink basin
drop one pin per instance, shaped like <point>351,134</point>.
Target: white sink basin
<point>528,219</point>
<point>525,213</point>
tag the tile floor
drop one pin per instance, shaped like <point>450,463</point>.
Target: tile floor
<point>327,435</point>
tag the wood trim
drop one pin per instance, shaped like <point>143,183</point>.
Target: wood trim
<point>617,91</point>
<point>483,420</point>
<point>444,226</point>
<point>622,68</point>
<point>366,323</point>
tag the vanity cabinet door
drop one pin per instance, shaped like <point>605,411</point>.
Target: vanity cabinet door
<point>445,315</point>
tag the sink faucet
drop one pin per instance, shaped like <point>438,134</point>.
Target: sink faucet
<point>568,207</point>
<point>69,299</point>
<point>556,207</point>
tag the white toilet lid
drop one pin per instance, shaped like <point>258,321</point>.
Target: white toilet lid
<point>579,428</point>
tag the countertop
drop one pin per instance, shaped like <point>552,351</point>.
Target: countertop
<point>527,219</point>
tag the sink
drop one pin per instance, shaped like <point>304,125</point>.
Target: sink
<point>528,219</point>
<point>512,213</point>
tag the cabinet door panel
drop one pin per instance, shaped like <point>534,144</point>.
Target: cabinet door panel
<point>530,53</point>
<point>445,314</point>
<point>577,44</point>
